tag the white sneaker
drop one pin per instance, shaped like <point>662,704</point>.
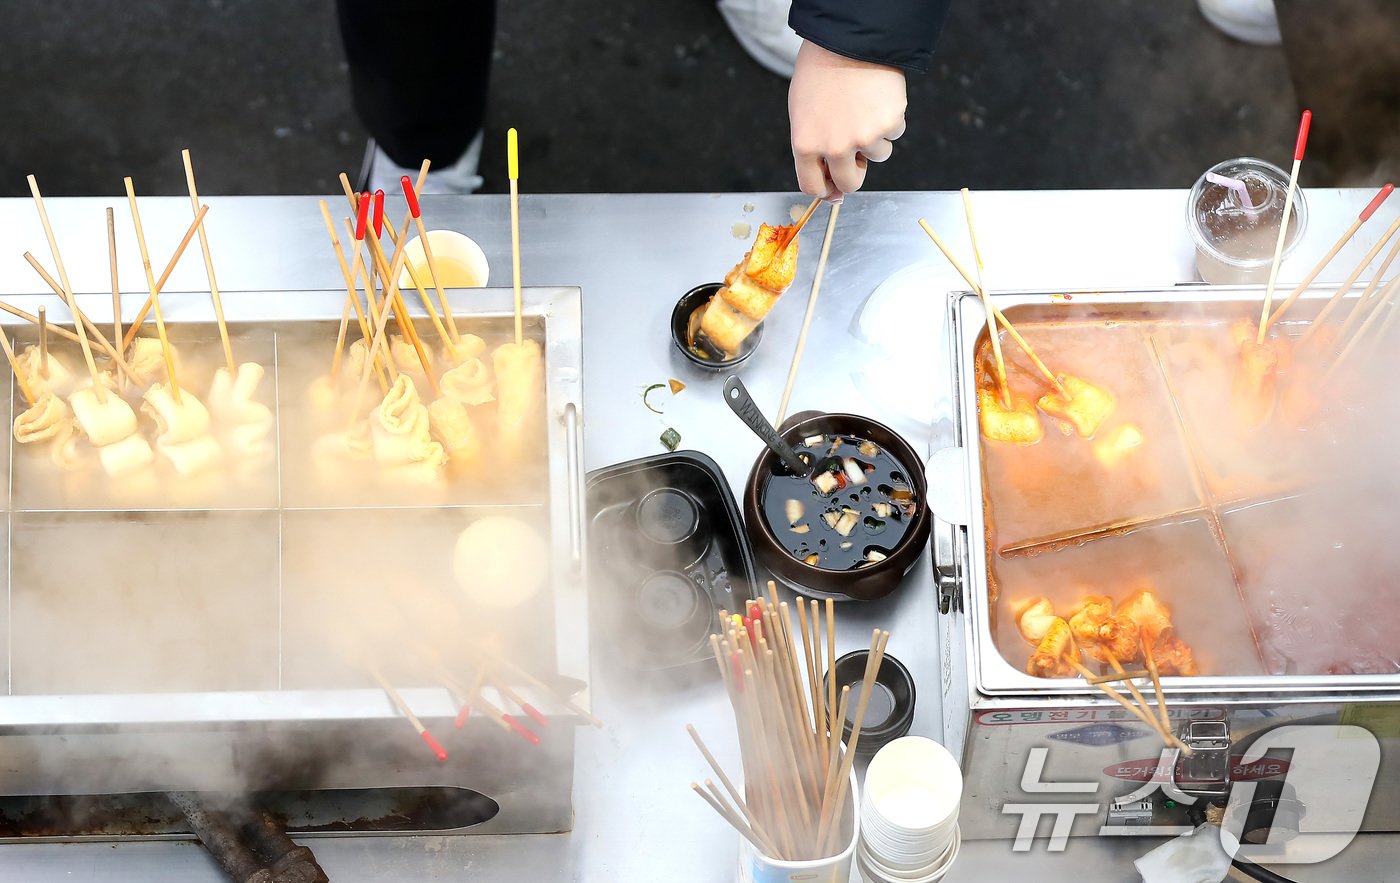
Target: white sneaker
<point>1251,21</point>
<point>460,178</point>
<point>761,28</point>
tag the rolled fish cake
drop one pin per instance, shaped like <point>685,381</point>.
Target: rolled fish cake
<point>57,379</point>
<point>469,383</point>
<point>126,455</point>
<point>468,348</point>
<point>519,395</point>
<point>400,428</point>
<point>453,427</point>
<point>103,422</point>
<point>146,358</point>
<point>193,456</point>
<point>50,421</point>
<point>176,421</point>
<point>245,422</point>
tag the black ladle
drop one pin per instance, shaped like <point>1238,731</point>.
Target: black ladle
<point>742,404</point>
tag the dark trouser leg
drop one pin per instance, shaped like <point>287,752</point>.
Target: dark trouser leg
<point>419,72</point>
<point>1344,56</point>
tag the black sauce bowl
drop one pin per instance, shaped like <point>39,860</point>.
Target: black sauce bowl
<point>864,583</point>
<point>695,299</point>
<point>890,712</point>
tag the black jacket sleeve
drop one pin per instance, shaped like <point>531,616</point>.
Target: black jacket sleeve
<point>899,33</point>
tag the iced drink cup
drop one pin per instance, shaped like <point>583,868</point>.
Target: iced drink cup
<point>1235,241</point>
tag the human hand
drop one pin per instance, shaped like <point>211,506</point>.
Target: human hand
<point>843,114</point>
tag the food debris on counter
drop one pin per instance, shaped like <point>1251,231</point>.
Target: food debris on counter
<point>646,400</point>
<point>671,439</point>
<point>676,386</point>
<point>740,230</point>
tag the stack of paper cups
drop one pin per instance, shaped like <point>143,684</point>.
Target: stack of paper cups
<point>909,813</point>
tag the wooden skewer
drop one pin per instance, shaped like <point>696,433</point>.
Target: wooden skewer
<point>34,320</point>
<point>1156,685</point>
<point>1347,285</point>
<point>382,323</point>
<point>394,238</point>
<point>99,389</point>
<point>791,232</point>
<point>1002,388</point>
<point>155,289</point>
<point>1283,225</point>
<point>1115,677</point>
<point>802,222</point>
<point>833,726</point>
<point>393,300</point>
<point>1137,694</point>
<point>15,369</point>
<point>209,267</point>
<point>1045,372</point>
<point>371,304</point>
<point>397,700</point>
<point>413,209</point>
<point>352,299</point>
<point>558,697</point>
<point>530,711</point>
<point>1321,265</point>
<point>728,785</point>
<point>734,821</point>
<point>834,799</point>
<point>43,343</point>
<point>391,294</point>
<point>97,336</point>
<point>423,295</point>
<point>758,839</point>
<point>1123,701</point>
<point>513,168</point>
<point>1366,301</point>
<point>807,317</point>
<point>814,685</point>
<point>112,268</point>
<point>135,327</point>
<point>1385,297</point>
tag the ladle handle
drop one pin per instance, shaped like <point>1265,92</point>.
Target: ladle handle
<point>742,404</point>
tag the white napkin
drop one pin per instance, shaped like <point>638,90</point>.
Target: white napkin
<point>1196,857</point>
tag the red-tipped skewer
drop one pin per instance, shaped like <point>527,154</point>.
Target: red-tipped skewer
<point>1303,126</point>
<point>438,751</point>
<point>1381,196</point>
<point>416,212</point>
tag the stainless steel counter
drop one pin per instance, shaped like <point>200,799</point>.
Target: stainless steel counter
<point>873,349</point>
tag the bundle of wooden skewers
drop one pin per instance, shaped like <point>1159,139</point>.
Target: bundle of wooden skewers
<point>432,396</point>
<point>797,792</point>
<point>416,634</point>
<point>76,416</point>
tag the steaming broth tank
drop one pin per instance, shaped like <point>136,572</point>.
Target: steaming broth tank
<point>197,651</point>
<point>986,555</point>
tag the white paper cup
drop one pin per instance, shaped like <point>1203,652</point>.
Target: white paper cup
<point>460,262</point>
<point>913,792</point>
<point>872,870</point>
<point>755,867</point>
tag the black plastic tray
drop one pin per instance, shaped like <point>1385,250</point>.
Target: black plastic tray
<point>655,606</point>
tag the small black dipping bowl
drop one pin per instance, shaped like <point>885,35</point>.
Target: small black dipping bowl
<point>695,299</point>
<point>864,583</point>
<point>671,529</point>
<point>891,710</point>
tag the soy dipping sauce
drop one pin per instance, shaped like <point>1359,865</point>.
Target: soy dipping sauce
<point>875,512</point>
